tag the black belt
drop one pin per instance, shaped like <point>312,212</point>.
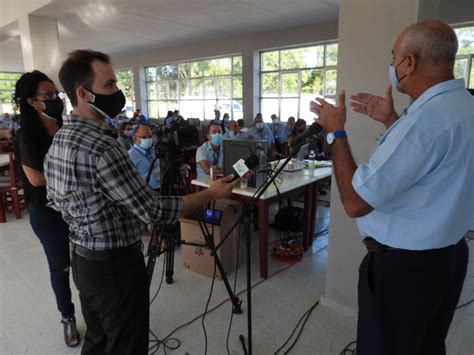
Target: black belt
<point>100,255</point>
<point>372,245</point>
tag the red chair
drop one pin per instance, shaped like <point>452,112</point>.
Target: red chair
<point>10,187</point>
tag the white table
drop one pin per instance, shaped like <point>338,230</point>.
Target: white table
<point>289,184</point>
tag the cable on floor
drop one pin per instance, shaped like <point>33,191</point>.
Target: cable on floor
<point>305,316</point>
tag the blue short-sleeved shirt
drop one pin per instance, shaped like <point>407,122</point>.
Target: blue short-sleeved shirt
<point>264,134</point>
<point>279,132</point>
<point>142,160</point>
<point>205,152</point>
<point>420,177</point>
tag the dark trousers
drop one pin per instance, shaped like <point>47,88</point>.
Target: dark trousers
<point>114,299</point>
<point>53,233</point>
<point>407,300</point>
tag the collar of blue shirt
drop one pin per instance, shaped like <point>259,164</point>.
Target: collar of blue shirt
<point>435,90</point>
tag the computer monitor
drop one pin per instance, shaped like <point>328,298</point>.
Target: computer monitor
<point>235,149</point>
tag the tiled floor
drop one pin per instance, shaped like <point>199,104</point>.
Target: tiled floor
<point>29,322</point>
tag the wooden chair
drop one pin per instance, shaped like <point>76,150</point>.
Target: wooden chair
<point>10,187</point>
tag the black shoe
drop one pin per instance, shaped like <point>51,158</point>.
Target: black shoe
<point>71,335</point>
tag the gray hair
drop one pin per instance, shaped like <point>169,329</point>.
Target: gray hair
<point>430,44</point>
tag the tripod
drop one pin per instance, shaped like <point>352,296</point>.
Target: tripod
<point>171,239</point>
<point>248,208</point>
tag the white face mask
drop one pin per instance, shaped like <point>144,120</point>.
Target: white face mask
<point>392,71</point>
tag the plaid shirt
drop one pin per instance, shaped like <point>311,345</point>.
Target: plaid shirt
<point>91,180</point>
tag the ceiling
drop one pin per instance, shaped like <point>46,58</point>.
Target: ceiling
<point>127,26</point>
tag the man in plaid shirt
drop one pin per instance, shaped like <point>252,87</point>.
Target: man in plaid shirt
<point>91,180</point>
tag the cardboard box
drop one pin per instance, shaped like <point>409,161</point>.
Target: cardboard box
<point>199,259</point>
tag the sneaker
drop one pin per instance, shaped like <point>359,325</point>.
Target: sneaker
<point>71,335</point>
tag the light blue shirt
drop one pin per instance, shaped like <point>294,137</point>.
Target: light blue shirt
<point>420,177</point>
<point>142,160</point>
<point>265,134</point>
<point>205,152</point>
<point>241,135</point>
<point>279,132</point>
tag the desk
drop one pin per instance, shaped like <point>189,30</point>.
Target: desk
<point>290,184</point>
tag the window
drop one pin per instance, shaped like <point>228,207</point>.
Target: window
<point>196,88</point>
<point>464,65</point>
<point>125,83</point>
<point>291,78</point>
<point>7,88</point>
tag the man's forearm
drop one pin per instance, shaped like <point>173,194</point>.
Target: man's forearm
<point>195,200</point>
<point>345,167</point>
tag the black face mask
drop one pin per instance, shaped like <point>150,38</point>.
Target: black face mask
<point>54,108</point>
<point>108,105</point>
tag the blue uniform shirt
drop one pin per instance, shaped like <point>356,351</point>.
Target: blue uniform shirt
<point>265,134</point>
<point>205,152</point>
<point>420,177</point>
<point>142,160</point>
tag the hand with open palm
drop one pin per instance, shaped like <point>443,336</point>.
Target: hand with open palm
<point>379,108</point>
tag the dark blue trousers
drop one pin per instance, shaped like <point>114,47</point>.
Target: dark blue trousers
<point>407,299</point>
<point>53,233</point>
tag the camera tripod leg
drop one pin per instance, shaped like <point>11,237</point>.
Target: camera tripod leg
<point>169,260</point>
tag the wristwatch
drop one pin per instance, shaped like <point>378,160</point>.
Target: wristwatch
<point>331,136</point>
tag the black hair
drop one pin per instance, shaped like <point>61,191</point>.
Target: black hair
<point>26,87</point>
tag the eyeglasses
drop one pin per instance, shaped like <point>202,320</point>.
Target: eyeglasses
<point>50,95</point>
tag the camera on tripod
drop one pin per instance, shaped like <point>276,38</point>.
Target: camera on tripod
<point>175,147</point>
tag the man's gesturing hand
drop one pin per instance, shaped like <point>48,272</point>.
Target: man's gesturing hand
<point>332,118</point>
<point>380,109</point>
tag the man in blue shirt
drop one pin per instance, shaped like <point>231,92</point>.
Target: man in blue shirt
<point>217,117</point>
<point>261,131</point>
<point>143,156</point>
<point>414,197</point>
<point>234,132</point>
<point>210,153</point>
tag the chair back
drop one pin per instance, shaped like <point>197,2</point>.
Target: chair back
<point>13,171</point>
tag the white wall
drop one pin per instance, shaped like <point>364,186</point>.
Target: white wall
<point>248,45</point>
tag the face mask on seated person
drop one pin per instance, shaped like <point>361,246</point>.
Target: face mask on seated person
<point>146,143</point>
<point>216,139</point>
<point>259,125</point>
<point>276,121</point>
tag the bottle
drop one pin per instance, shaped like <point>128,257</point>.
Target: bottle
<point>312,158</point>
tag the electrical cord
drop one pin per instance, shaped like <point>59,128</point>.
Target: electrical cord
<point>348,351</point>
<point>465,304</point>
<point>210,291</point>
<point>165,343</point>
<point>305,316</point>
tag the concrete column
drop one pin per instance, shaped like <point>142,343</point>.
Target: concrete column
<point>139,86</point>
<point>40,45</point>
<point>367,31</point>
<point>250,91</point>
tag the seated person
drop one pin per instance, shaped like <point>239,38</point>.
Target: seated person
<point>210,153</point>
<point>234,131</point>
<point>125,135</point>
<point>242,127</point>
<point>279,132</point>
<point>217,117</point>
<point>225,122</point>
<point>261,131</point>
<point>300,127</point>
<point>170,119</point>
<point>142,155</point>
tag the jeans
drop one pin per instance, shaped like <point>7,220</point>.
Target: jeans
<point>53,232</point>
